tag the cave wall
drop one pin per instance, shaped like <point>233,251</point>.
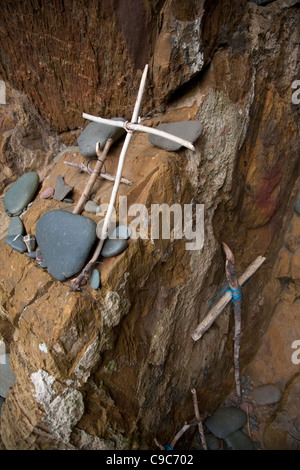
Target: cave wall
<point>120,362</point>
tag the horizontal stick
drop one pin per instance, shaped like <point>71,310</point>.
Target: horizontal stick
<point>221,304</point>
<point>106,176</point>
<point>131,126</point>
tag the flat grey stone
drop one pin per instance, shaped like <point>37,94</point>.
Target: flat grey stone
<point>61,189</point>
<point>16,242</point>
<point>65,240</point>
<point>113,247</point>
<point>239,441</point>
<point>16,226</point>
<point>267,394</point>
<point>68,199</point>
<point>91,207</point>
<point>95,279</point>
<point>188,130</point>
<point>32,254</point>
<point>225,421</point>
<point>98,132</point>
<point>122,231</point>
<point>20,193</point>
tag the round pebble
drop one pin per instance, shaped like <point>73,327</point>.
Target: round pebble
<point>225,421</point>
<point>246,406</point>
<point>47,193</point>
<point>267,394</point>
<point>95,279</point>
<point>113,247</point>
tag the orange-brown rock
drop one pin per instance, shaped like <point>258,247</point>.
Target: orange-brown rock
<point>113,368</point>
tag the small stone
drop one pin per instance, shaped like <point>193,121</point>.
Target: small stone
<point>113,247</point>
<point>97,132</point>
<point>20,193</point>
<point>122,231</point>
<point>239,441</point>
<point>47,193</point>
<point>65,240</point>
<point>188,130</point>
<point>39,257</point>
<point>32,254</point>
<point>30,242</point>
<point>267,394</point>
<point>225,421</point>
<point>68,199</point>
<point>91,207</point>
<point>297,206</point>
<point>95,279</point>
<point>43,264</point>
<point>16,226</point>
<point>247,407</point>
<point>16,242</point>
<point>61,189</point>
<point>212,442</point>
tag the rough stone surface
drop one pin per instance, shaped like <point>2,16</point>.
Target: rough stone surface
<point>65,240</point>
<point>127,347</point>
<point>189,130</point>
<point>283,432</point>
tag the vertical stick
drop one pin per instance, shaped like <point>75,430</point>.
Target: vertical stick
<point>236,298</point>
<point>122,159</point>
<point>197,414</point>
<point>94,175</point>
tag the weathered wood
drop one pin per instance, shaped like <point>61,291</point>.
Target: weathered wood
<point>197,415</point>
<point>107,176</point>
<point>221,304</point>
<point>87,269</point>
<point>94,175</point>
<point>134,126</point>
<point>236,297</point>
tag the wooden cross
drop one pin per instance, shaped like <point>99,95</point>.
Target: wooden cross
<point>130,127</point>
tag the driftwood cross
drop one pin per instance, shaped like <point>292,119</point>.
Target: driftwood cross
<point>130,127</point>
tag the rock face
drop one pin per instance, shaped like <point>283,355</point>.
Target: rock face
<point>111,368</point>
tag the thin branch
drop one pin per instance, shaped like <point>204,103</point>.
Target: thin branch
<point>107,176</point>
<point>94,175</point>
<point>133,126</point>
<point>197,414</point>
<point>237,307</point>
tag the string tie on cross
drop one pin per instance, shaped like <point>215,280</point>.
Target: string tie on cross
<point>236,294</point>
